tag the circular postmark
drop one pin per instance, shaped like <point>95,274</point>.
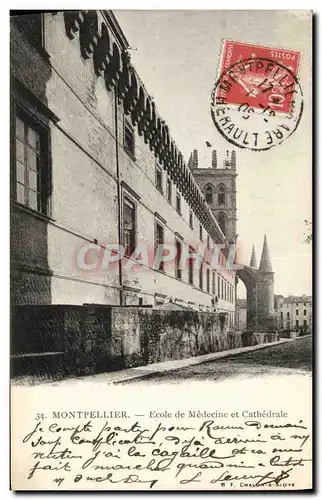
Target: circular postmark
<point>257,103</point>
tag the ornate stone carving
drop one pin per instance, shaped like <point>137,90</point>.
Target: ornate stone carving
<point>116,68</point>
<point>102,53</point>
<point>124,82</point>
<point>73,20</point>
<point>88,34</point>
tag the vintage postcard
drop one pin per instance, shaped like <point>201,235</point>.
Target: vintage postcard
<point>161,227</point>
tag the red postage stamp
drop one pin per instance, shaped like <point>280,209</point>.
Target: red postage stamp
<point>263,84</point>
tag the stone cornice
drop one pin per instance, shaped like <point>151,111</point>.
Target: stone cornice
<point>114,65</point>
<point>117,30</point>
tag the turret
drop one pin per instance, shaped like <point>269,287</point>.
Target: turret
<point>253,260</point>
<point>214,159</point>
<point>266,313</point>
<point>265,265</point>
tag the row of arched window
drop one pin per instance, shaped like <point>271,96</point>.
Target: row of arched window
<point>221,194</point>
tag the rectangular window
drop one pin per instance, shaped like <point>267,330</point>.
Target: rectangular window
<point>218,287</point>
<point>281,314</point>
<point>129,143</point>
<point>190,267</point>
<point>297,312</point>
<point>297,323</point>
<point>200,232</point>
<point>208,242</point>
<point>208,280</point>
<point>214,283</point>
<point>169,190</point>
<point>305,323</point>
<point>288,315</point>
<point>129,216</point>
<point>178,271</point>
<point>31,168</point>
<point>201,276</point>
<point>178,203</point>
<point>158,178</point>
<point>159,240</point>
<point>304,304</point>
<point>191,219</point>
<point>222,288</point>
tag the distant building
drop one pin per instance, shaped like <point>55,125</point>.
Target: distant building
<point>294,313</point>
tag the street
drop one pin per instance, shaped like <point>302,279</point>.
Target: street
<point>293,358</point>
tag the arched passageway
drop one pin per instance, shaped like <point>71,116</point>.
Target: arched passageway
<point>249,277</point>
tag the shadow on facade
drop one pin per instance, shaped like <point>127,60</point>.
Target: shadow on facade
<point>30,175</point>
<point>31,184</point>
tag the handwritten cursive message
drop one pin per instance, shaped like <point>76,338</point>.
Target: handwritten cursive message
<point>178,451</point>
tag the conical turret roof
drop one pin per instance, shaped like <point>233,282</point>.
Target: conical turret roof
<point>265,265</point>
<point>253,260</point>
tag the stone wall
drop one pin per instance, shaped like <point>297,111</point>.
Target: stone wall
<point>62,340</point>
<point>69,340</point>
<point>255,338</point>
<point>151,336</point>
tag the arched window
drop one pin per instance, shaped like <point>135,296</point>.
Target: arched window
<point>221,194</point>
<point>222,219</point>
<point>209,194</point>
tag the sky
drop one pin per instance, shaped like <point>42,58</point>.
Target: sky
<point>177,55</point>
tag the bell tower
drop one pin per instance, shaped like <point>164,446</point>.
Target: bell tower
<point>218,185</point>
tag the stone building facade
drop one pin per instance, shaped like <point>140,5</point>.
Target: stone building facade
<point>294,313</point>
<point>93,163</point>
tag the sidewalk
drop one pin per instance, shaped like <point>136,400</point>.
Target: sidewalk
<point>142,372</point>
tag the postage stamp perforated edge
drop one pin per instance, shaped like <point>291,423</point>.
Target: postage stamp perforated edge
<point>220,70</point>
<point>225,41</point>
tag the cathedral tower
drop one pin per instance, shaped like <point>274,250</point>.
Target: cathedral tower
<point>218,185</point>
